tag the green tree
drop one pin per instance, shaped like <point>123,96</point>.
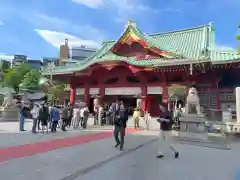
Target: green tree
<point>14,76</point>
<point>176,91</point>
<point>4,65</point>
<point>56,92</point>
<point>31,80</point>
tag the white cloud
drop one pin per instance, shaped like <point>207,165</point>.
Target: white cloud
<point>5,57</point>
<point>1,23</point>
<point>57,38</point>
<point>124,9</point>
<point>90,3</point>
<point>53,30</point>
<point>55,24</point>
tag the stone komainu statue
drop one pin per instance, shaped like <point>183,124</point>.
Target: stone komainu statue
<point>8,100</point>
<point>192,101</point>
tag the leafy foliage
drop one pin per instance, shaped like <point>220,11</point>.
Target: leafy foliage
<point>31,80</point>
<point>14,76</point>
<point>4,65</point>
<point>56,92</point>
<point>176,90</point>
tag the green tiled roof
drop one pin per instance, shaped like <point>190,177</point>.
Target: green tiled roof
<point>193,45</point>
<point>218,56</point>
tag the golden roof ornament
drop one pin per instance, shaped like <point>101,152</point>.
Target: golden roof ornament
<point>130,23</point>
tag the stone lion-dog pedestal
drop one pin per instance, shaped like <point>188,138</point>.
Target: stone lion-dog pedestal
<point>192,123</point>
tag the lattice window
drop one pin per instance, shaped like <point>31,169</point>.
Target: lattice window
<point>207,100</point>
<point>132,79</point>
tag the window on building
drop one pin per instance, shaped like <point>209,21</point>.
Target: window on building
<point>176,79</point>
<point>93,82</point>
<point>111,80</point>
<point>228,80</point>
<point>132,79</point>
<point>154,79</point>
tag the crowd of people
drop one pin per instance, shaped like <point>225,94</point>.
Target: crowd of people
<point>47,116</point>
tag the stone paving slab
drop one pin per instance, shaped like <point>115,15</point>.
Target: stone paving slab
<point>73,163</point>
<point>13,127</point>
<point>195,163</point>
<point>55,165</point>
<point>7,140</point>
<point>10,135</point>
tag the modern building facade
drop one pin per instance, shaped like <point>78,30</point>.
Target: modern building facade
<point>139,65</point>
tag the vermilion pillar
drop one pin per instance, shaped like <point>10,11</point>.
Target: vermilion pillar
<point>144,98</point>
<point>72,95</point>
<point>164,94</point>
<point>101,94</point>
<point>86,95</point>
<point>164,90</point>
<point>216,91</point>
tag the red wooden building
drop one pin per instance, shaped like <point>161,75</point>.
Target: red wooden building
<point>140,64</point>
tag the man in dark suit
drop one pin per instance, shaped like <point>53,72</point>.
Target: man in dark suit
<point>120,124</point>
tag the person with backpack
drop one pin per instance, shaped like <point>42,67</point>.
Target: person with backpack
<point>44,116</point>
<point>120,124</point>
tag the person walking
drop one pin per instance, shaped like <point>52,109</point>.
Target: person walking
<point>50,108</point>
<point>165,136</point>
<point>70,115</point>
<point>85,117</point>
<point>64,117</point>
<point>44,116</point>
<point>101,115</point>
<point>55,117</point>
<point>24,113</point>
<point>112,112</point>
<point>120,123</point>
<point>35,116</point>
<point>147,119</point>
<point>76,117</point>
<point>136,118</point>
<point>81,116</point>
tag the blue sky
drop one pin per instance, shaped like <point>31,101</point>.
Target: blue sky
<point>36,28</point>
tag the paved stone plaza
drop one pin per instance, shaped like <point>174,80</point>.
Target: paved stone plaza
<point>96,158</point>
<point>99,160</point>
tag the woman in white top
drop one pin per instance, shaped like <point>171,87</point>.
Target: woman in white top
<point>35,115</point>
<point>76,117</point>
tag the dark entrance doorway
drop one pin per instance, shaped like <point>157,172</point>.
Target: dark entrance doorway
<point>91,105</point>
<point>130,101</point>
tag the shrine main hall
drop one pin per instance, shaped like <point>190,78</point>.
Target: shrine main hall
<point>145,66</point>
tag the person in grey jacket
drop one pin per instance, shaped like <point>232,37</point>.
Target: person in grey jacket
<point>165,136</point>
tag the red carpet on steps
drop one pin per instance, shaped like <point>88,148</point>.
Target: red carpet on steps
<point>12,152</point>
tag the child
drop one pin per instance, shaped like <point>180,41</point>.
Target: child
<point>55,115</point>
<point>136,118</point>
